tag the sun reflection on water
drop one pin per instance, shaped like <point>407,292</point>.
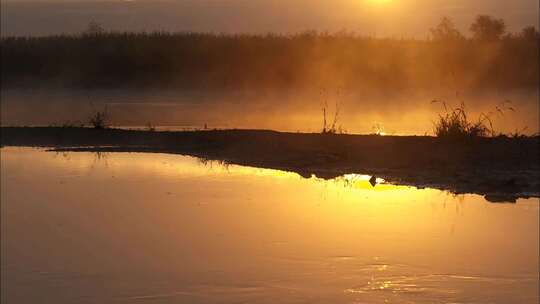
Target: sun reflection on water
<point>243,226</point>
<point>178,165</point>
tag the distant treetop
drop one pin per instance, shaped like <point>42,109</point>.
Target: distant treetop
<point>487,28</point>
<point>94,28</point>
<point>445,31</point>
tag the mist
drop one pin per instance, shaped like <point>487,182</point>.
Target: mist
<point>289,110</point>
<point>381,69</point>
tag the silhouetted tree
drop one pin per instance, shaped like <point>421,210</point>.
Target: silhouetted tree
<point>487,28</point>
<point>530,33</point>
<point>94,28</point>
<point>445,31</point>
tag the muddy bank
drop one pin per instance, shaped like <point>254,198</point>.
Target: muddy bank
<point>501,169</point>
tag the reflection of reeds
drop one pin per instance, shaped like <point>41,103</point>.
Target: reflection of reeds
<point>209,163</point>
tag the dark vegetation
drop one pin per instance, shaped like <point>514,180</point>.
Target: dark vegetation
<point>494,166</point>
<point>99,120</point>
<point>489,58</point>
<point>331,127</point>
<point>455,123</point>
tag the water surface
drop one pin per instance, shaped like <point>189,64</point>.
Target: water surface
<point>410,113</point>
<point>157,228</point>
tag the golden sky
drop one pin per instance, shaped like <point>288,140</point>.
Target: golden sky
<point>409,18</point>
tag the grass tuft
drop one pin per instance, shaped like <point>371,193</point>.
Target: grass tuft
<point>455,124</point>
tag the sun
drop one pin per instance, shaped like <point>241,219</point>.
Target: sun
<point>377,2</point>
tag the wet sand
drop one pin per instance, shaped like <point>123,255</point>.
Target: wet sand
<point>501,169</point>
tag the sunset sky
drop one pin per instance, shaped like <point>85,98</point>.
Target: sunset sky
<point>397,18</point>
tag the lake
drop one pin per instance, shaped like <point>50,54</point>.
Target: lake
<point>157,228</point>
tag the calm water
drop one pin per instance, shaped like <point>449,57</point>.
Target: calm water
<point>154,228</point>
<point>283,110</point>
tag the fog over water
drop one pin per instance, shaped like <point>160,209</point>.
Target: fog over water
<point>390,82</point>
<point>285,110</point>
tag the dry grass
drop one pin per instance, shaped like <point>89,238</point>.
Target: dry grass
<point>331,128</point>
<point>455,123</point>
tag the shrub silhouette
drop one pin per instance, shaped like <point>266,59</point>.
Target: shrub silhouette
<point>455,124</point>
<point>99,120</point>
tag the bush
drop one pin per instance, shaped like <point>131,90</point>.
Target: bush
<point>455,124</point>
<point>99,120</point>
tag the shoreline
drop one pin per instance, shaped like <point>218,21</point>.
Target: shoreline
<point>500,169</point>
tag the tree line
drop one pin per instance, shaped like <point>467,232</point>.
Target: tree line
<point>489,58</point>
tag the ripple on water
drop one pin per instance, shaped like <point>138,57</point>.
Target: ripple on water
<point>439,287</point>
